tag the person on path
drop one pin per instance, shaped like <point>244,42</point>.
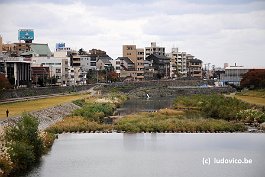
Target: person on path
<point>7,112</point>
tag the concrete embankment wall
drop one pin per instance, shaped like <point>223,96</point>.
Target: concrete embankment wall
<point>168,87</point>
<point>25,92</point>
<point>168,91</point>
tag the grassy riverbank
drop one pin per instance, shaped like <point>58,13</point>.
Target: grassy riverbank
<point>256,97</point>
<point>16,109</point>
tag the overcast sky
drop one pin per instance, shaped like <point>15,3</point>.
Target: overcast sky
<point>215,31</point>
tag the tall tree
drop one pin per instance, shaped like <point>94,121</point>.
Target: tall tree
<point>254,78</point>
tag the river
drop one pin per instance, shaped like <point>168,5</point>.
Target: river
<point>153,155</point>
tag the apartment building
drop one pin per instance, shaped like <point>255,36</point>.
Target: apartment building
<point>154,50</point>
<point>136,55</point>
<point>194,67</point>
<point>180,58</point>
<point>58,67</point>
<point>159,64</point>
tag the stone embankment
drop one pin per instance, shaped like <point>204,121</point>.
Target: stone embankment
<point>46,117</point>
<point>27,92</point>
<point>168,91</point>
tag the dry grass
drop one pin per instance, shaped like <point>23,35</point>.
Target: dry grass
<point>17,108</point>
<point>252,100</point>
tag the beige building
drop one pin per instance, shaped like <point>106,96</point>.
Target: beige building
<point>154,50</point>
<point>137,57</point>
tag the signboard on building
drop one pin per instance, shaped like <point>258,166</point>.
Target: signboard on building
<point>26,34</point>
<point>60,45</point>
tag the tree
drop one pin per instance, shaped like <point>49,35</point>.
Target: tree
<point>4,83</point>
<point>112,76</point>
<point>254,78</point>
<point>82,52</point>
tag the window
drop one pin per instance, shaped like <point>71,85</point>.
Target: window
<point>128,53</point>
<point>92,63</point>
<point>58,70</point>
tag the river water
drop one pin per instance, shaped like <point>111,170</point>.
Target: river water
<point>143,104</point>
<point>153,155</point>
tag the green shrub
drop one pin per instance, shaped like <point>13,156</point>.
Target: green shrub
<point>80,102</point>
<point>22,155</point>
<point>95,111</point>
<point>214,106</point>
<point>24,144</point>
<point>251,115</point>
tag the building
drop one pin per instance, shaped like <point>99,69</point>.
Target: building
<point>1,44</point>
<point>136,55</point>
<point>233,74</point>
<point>154,50</point>
<point>104,63</point>
<point>40,73</point>
<point>180,60</point>
<point>58,67</point>
<point>88,63</point>
<point>160,65</point>
<point>16,69</point>
<point>194,68</point>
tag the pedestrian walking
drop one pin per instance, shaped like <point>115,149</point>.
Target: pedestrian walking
<point>7,112</point>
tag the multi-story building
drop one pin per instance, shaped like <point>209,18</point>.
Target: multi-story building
<point>58,67</point>
<point>160,65</point>
<point>136,55</point>
<point>16,69</point>
<point>154,50</point>
<point>180,59</point>
<point>194,67</point>
<point>233,74</point>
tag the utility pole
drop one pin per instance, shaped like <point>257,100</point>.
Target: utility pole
<point>209,70</point>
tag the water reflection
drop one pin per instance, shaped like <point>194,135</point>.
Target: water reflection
<point>142,104</point>
<point>152,155</point>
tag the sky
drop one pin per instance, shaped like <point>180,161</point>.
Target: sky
<point>215,31</point>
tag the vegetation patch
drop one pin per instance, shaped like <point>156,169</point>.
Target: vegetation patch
<point>23,145</point>
<point>77,124</point>
<point>173,121</point>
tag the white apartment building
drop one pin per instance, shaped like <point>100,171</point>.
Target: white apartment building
<point>154,50</point>
<point>178,63</point>
<point>58,67</point>
<point>88,63</point>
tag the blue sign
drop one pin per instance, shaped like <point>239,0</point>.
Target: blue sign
<point>60,45</point>
<point>25,34</point>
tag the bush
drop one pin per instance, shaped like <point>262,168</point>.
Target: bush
<point>214,106</point>
<point>251,115</point>
<point>24,143</point>
<point>95,111</point>
<point>80,102</point>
